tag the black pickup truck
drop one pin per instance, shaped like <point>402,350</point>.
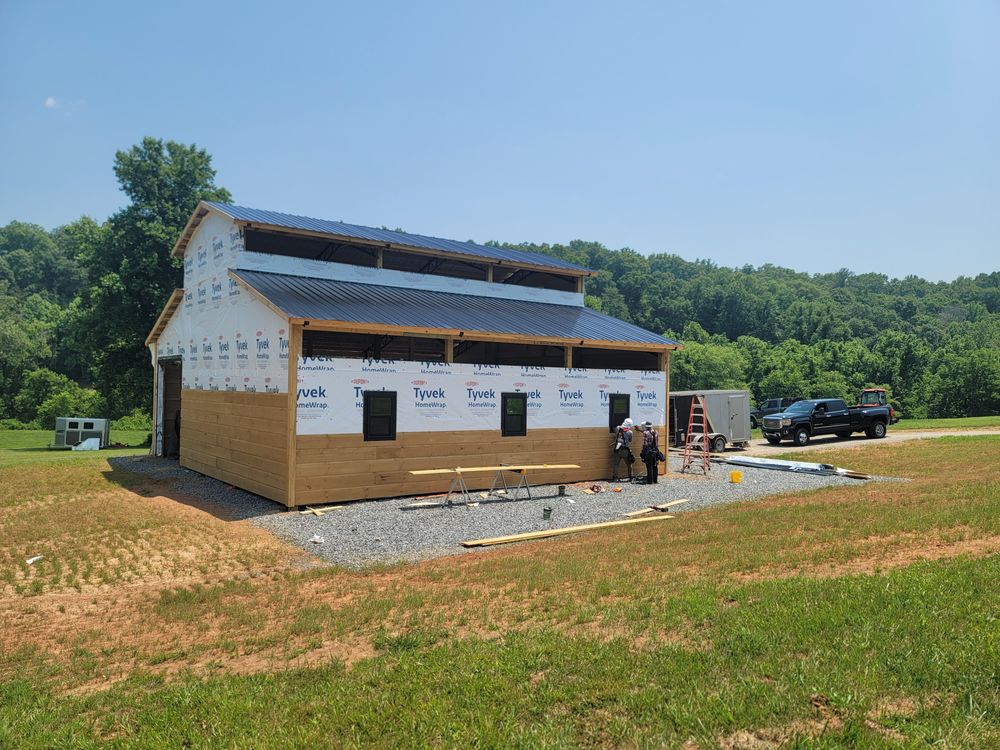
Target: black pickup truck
<point>824,416</point>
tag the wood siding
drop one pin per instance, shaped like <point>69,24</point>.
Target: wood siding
<point>331,468</point>
<point>240,438</point>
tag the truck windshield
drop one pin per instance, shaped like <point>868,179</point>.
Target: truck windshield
<point>800,406</point>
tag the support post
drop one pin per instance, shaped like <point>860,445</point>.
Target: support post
<point>156,376</point>
<point>579,285</point>
<point>665,432</point>
<point>449,350</point>
<point>568,363</point>
<point>489,272</point>
<point>294,352</point>
<point>378,261</point>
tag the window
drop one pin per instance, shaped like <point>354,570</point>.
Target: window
<point>380,415</point>
<point>514,414</point>
<point>73,425</point>
<point>618,410</point>
<point>88,425</point>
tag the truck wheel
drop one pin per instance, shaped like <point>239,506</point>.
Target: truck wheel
<point>802,436</point>
<point>718,444</point>
<point>843,435</point>
<point>876,431</point>
<point>773,440</point>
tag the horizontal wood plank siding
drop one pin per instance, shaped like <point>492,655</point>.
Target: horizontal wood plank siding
<point>239,438</point>
<point>332,468</point>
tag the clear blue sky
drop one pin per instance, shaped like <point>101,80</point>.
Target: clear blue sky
<point>811,135</point>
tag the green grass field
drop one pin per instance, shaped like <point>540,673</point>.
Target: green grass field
<point>31,446</point>
<point>962,423</point>
<point>860,616</point>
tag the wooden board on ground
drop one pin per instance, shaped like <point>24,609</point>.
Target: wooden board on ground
<point>472,469</point>
<point>558,532</point>
<point>654,508</point>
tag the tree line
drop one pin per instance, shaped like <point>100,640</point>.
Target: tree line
<point>77,302</point>
<point>777,332</point>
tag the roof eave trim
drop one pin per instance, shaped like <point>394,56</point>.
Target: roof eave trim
<point>474,335</point>
<point>198,215</point>
<point>165,315</point>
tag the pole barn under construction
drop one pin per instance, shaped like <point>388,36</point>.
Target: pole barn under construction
<point>313,361</point>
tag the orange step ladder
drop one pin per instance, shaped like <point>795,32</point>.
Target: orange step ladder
<point>696,447</point>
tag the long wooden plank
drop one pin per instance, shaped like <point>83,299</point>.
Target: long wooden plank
<point>471,469</point>
<point>654,508</point>
<point>558,532</point>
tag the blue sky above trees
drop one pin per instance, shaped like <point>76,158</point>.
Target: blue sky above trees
<point>812,136</point>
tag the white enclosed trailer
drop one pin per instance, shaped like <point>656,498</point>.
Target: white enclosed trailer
<point>728,414</point>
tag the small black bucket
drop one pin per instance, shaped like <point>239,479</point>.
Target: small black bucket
<point>546,513</point>
<point>562,490</point>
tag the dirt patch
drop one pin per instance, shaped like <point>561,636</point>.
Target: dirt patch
<point>773,737</point>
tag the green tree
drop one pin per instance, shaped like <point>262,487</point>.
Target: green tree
<point>73,401</point>
<point>24,345</point>
<point>38,386</point>
<point>130,271</point>
<point>706,363</point>
<point>32,262</point>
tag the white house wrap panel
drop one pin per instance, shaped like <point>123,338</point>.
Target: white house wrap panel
<point>433,396</point>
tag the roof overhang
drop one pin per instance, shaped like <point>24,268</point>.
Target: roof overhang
<point>200,212</point>
<point>342,326</point>
<point>168,310</point>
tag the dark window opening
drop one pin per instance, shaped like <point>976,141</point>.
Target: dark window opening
<point>88,425</point>
<point>533,278</point>
<point>618,410</point>
<point>74,425</point>
<point>496,353</point>
<point>514,414</point>
<point>371,346</point>
<point>397,260</point>
<point>310,248</point>
<point>615,359</point>
<point>380,415</point>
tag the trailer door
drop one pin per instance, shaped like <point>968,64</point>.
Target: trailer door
<point>739,418</point>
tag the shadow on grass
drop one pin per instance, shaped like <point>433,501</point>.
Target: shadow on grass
<point>149,476</point>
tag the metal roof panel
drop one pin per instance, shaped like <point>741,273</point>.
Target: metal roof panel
<point>326,299</point>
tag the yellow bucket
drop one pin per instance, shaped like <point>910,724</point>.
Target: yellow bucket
<point>736,477</point>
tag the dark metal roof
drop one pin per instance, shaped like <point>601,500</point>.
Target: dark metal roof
<point>340,229</point>
<point>325,299</point>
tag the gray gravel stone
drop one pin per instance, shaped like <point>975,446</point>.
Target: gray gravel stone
<point>380,531</point>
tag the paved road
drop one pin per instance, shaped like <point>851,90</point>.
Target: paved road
<point>763,448</point>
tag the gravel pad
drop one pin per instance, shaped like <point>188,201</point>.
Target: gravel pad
<point>380,531</point>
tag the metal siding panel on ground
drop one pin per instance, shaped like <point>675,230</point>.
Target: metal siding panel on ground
<point>325,299</point>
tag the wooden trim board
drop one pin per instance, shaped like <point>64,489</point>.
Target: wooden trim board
<point>558,532</point>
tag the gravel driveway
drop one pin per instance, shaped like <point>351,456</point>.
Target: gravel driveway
<point>380,531</point>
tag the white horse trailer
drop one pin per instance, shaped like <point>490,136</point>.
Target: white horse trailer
<point>71,431</point>
<point>727,412</point>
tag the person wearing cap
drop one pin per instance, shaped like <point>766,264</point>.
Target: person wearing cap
<point>622,449</point>
<point>650,451</point>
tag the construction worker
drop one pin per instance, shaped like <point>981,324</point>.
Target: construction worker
<point>650,453</point>
<point>623,449</point>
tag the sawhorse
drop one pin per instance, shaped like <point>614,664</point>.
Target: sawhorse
<point>522,482</point>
